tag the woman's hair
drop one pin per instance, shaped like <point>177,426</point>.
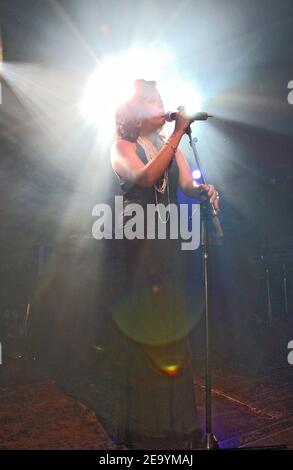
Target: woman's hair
<point>131,112</point>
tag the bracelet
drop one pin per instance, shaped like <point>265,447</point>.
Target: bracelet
<point>172,146</point>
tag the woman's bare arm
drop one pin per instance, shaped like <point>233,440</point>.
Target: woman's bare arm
<point>128,165</point>
<point>188,185</point>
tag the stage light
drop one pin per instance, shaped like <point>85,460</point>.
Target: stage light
<point>196,174</point>
<point>112,83</point>
<point>178,92</point>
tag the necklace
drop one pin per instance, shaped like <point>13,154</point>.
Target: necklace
<point>151,151</point>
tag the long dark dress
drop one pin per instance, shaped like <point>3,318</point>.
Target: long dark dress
<point>157,404</point>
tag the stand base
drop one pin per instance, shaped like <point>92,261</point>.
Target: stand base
<point>211,442</point>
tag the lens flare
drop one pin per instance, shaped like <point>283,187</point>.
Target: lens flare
<point>177,93</point>
<point>172,369</point>
<point>112,83</point>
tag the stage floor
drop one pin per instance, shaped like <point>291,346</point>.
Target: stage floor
<point>37,412</point>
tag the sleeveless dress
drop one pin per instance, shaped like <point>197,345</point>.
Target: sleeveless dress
<point>152,319</point>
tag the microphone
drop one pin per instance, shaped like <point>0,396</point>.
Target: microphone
<point>171,116</point>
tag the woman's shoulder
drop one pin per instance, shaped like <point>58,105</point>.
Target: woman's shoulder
<point>122,150</point>
<point>121,144</point>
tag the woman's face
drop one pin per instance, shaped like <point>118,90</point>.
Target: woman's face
<point>152,113</point>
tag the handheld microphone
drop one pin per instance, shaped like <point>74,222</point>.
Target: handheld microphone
<point>171,116</point>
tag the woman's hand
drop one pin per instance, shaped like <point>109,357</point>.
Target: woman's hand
<point>182,122</point>
<point>190,187</point>
<point>208,190</point>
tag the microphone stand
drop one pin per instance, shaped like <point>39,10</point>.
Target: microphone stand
<point>211,441</point>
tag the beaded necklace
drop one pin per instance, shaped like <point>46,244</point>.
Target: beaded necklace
<point>159,188</point>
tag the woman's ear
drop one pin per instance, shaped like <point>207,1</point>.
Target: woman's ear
<point>138,123</point>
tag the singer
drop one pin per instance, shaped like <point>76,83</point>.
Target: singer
<point>150,315</point>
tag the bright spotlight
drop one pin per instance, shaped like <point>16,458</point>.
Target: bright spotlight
<point>196,174</point>
<point>180,93</point>
<point>112,84</point>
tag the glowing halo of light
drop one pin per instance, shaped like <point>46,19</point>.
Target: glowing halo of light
<point>196,174</point>
<point>112,83</point>
<point>172,369</point>
<point>156,319</point>
<point>178,92</point>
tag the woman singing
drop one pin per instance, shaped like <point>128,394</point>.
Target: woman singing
<point>157,405</point>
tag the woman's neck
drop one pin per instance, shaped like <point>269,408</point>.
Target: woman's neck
<point>153,137</point>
